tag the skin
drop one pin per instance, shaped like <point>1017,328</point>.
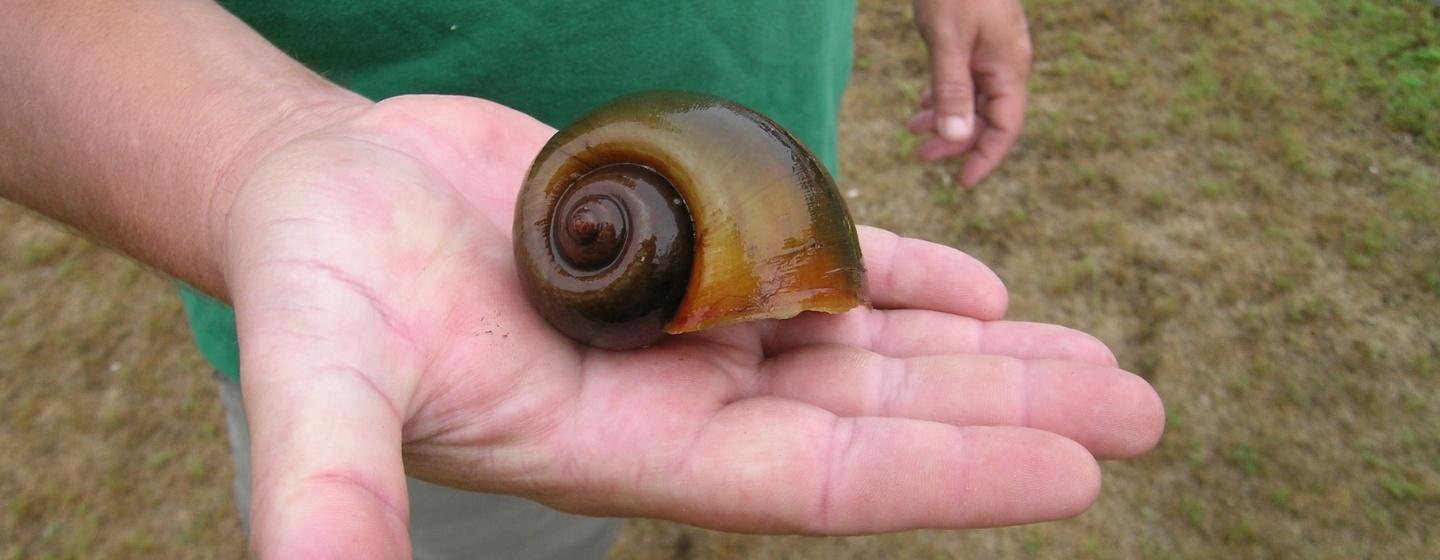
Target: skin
<point>974,106</point>
<point>366,249</point>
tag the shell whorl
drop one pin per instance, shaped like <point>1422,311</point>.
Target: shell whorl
<point>768,233</point>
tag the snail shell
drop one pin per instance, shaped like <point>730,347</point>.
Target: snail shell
<point>671,212</point>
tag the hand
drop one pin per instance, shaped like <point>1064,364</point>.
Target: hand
<point>383,332</point>
<point>980,63</point>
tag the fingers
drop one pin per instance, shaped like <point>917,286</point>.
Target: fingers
<point>1114,414</point>
<point>775,466</point>
<point>923,122</point>
<point>1001,119</point>
<point>1004,115</point>
<point>979,63</point>
<point>908,273</point>
<point>990,143</point>
<point>903,333</point>
<point>953,92</point>
<point>862,475</point>
<point>328,476</point>
<point>948,103</point>
<point>936,148</point>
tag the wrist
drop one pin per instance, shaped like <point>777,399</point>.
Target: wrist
<point>286,116</point>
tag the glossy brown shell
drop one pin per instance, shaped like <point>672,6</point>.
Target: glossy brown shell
<point>772,235</point>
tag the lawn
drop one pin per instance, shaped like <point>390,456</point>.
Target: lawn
<point>1241,197</point>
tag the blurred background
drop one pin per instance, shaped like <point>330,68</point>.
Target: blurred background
<point>1241,197</point>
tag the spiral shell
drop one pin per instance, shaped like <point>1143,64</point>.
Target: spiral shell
<point>672,212</point>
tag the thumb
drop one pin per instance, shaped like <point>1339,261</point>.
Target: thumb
<point>328,475</point>
<point>953,88</point>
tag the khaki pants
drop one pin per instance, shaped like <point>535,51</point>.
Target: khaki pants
<point>450,523</point>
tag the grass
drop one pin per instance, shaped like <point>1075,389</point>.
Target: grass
<point>95,374</point>
<point>1391,50</point>
<point>1239,197</point>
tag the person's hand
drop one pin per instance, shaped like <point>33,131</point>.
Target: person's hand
<point>384,331</point>
<point>979,64</point>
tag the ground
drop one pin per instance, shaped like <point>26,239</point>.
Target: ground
<point>1241,197</point>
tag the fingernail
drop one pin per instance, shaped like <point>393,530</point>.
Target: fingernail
<point>955,129</point>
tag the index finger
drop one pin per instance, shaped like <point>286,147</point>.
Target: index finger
<point>905,273</point>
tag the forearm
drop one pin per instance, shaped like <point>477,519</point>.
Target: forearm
<point>134,121</point>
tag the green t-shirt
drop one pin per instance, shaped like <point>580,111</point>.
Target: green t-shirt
<point>556,60</point>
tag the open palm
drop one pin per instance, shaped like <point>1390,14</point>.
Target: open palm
<point>384,332</point>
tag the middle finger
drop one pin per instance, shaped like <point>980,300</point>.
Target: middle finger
<point>1111,412</point>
